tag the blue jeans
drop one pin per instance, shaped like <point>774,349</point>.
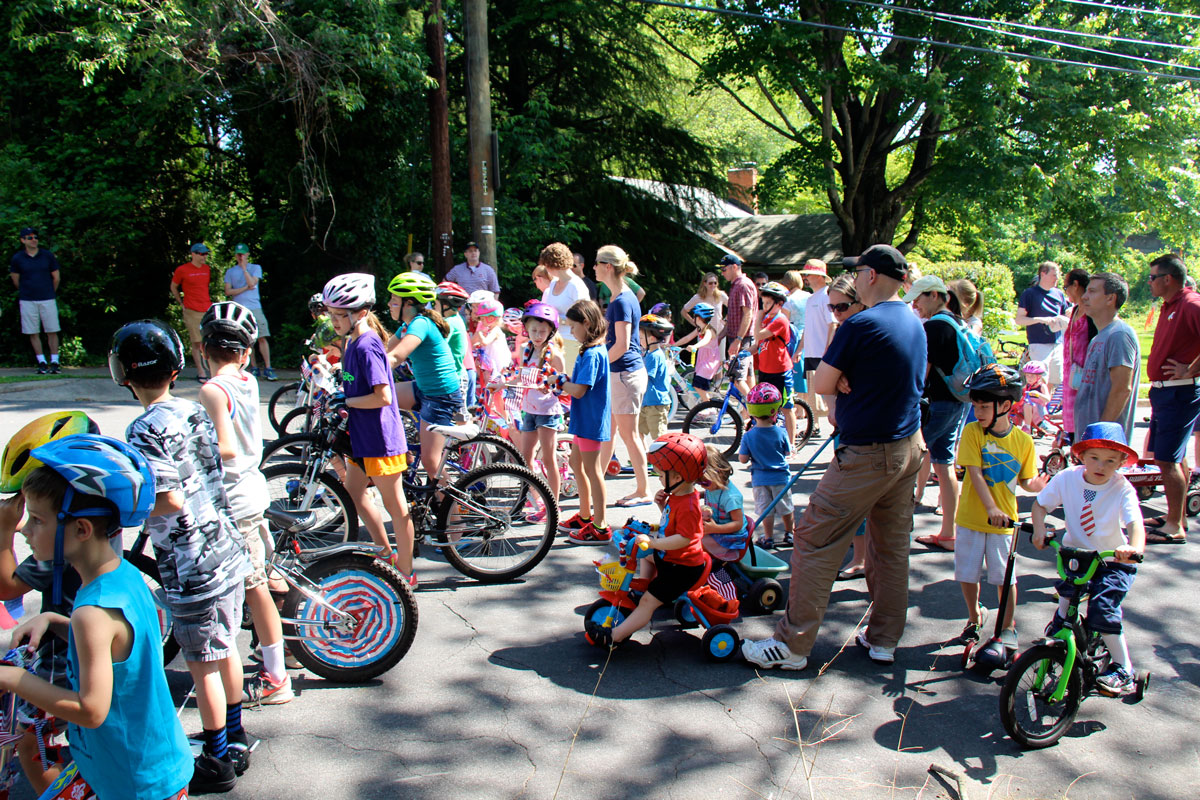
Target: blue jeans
<point>942,429</point>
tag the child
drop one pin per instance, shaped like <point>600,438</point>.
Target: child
<point>541,413</point>
<point>773,360</point>
<point>679,559</point>
<point>1036,399</point>
<point>491,348</point>
<point>231,399</point>
<point>656,402</point>
<point>324,340</point>
<point>514,326</point>
<point>202,560</point>
<point>590,424</point>
<point>1098,503</point>
<point>450,298</point>
<point>725,529</point>
<point>707,349</point>
<point>765,448</point>
<point>997,456</point>
<point>125,736</point>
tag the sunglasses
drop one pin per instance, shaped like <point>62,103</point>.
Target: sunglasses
<point>419,263</point>
<point>840,308</point>
<point>1152,278</point>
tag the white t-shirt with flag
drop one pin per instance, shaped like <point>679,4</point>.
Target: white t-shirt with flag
<point>1096,516</point>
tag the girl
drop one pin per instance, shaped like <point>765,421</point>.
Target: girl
<point>541,414</point>
<point>376,433</point>
<point>1036,399</point>
<point>707,349</point>
<point>450,298</point>
<point>513,326</point>
<point>491,347</point>
<point>590,424</point>
<point>725,531</point>
<point>565,290</point>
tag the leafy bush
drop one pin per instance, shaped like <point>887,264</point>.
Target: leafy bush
<point>994,281</point>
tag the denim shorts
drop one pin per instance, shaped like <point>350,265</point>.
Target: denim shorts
<point>438,409</point>
<point>529,422</point>
<point>1173,418</point>
<point>703,384</point>
<point>1107,589</point>
<point>942,429</point>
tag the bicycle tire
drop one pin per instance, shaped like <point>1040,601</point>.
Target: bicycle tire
<point>293,447</point>
<point>298,420</point>
<point>488,449</point>
<point>728,435</point>
<point>371,590</point>
<point>284,396</point>
<point>497,551</point>
<point>673,406</point>
<point>1022,699</point>
<point>337,518</point>
<point>805,422</point>
<point>149,569</point>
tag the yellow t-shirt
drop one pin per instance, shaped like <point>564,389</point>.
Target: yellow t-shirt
<point>1004,460</point>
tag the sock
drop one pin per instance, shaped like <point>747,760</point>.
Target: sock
<point>54,358</point>
<point>273,661</point>
<point>41,359</point>
<point>233,718</point>
<point>1118,649</point>
<point>215,743</point>
<point>1062,607</point>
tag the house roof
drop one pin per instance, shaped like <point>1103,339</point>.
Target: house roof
<point>699,203</point>
<point>778,240</point>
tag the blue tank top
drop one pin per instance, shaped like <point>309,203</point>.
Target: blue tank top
<point>139,751</point>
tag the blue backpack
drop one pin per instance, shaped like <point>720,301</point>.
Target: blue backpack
<point>973,353</point>
<point>794,342</point>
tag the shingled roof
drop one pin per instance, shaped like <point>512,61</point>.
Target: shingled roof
<point>783,241</point>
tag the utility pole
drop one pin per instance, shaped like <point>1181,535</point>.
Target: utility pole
<point>479,129</point>
<point>439,143</point>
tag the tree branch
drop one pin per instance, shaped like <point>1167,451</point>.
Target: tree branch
<point>762,87</point>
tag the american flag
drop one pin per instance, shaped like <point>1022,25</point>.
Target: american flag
<point>1085,517</point>
<point>722,584</point>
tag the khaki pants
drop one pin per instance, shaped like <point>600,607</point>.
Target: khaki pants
<point>875,481</point>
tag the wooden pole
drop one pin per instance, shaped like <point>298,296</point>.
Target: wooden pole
<point>439,144</point>
<point>479,129</point>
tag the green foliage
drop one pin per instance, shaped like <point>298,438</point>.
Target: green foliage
<point>994,281</point>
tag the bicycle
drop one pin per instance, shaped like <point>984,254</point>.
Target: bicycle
<point>683,394</point>
<point>301,399</point>
<point>1012,351</point>
<point>1046,684</point>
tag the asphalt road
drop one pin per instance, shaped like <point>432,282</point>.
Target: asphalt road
<point>499,696</point>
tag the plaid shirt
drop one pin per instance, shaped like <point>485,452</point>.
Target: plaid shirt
<point>743,300</point>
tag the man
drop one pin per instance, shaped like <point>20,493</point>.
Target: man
<point>416,261</point>
<point>760,280</point>
<point>1173,368</point>
<point>1109,387</point>
<point>1042,313</point>
<point>742,308</point>
<point>580,269</point>
<point>241,284</point>
<point>876,366</point>
<point>34,272</point>
<point>473,274</point>
<point>193,278</point>
<point>818,325</point>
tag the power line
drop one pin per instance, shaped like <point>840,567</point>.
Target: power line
<point>1011,55</point>
<point>1064,31</point>
<point>1115,7</point>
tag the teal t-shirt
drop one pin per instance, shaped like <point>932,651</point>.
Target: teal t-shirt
<point>432,362</point>
<point>458,341</point>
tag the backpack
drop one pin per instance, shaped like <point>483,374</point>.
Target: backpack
<point>794,342</point>
<point>973,353</point>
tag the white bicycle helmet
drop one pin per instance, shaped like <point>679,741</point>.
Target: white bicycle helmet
<point>230,325</point>
<point>479,296</point>
<point>353,290</point>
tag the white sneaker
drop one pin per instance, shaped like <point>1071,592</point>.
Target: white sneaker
<point>880,655</point>
<point>772,653</point>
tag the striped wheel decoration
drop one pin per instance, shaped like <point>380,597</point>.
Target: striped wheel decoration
<point>372,602</point>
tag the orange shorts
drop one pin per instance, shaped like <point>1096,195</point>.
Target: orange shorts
<point>388,465</point>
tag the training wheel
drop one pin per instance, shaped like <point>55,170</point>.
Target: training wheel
<point>721,642</point>
<point>1142,685</point>
<point>766,594</point>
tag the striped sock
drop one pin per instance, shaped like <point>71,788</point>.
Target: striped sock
<point>233,718</point>
<point>216,743</point>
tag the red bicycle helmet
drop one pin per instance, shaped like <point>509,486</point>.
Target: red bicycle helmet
<point>679,452</point>
<point>451,294</point>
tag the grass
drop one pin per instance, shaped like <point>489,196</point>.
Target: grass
<point>27,378</point>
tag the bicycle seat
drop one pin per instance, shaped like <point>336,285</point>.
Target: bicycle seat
<point>468,430</point>
<point>290,521</point>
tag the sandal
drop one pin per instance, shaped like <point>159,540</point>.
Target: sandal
<point>765,542</point>
<point>934,542</point>
<point>634,500</point>
<point>1154,536</point>
<point>850,573</point>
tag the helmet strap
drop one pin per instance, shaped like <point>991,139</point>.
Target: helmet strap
<point>995,417</point>
<point>60,561</point>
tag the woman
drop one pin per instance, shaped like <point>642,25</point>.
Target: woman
<point>627,370</point>
<point>1079,332</point>
<point>709,292</point>
<point>793,280</point>
<point>970,300</point>
<point>565,290</point>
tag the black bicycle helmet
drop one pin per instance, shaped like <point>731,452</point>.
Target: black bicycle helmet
<point>656,326</point>
<point>229,325</point>
<point>316,304</point>
<point>144,349</point>
<point>996,382</point>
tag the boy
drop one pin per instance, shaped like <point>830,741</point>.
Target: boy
<point>679,559</point>
<point>656,402</point>
<point>125,737</point>
<point>202,562</point>
<point>765,448</point>
<point>1098,503</point>
<point>997,456</point>
<point>773,335</point>
<point>231,399</point>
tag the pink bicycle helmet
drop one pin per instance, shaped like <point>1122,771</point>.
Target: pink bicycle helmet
<point>764,400</point>
<point>1034,368</point>
<point>542,311</point>
<point>488,308</point>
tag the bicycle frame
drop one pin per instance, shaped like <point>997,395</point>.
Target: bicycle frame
<point>293,575</point>
<point>1073,633</point>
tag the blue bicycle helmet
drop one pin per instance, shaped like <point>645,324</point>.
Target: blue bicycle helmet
<point>103,467</point>
<point>704,311</point>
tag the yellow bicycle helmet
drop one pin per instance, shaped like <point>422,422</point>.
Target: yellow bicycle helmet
<point>414,285</point>
<point>16,462</point>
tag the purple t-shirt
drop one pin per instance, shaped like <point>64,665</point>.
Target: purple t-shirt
<point>374,432</point>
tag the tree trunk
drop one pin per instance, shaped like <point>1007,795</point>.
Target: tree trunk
<point>439,144</point>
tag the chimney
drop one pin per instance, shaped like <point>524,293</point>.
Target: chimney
<point>743,182</point>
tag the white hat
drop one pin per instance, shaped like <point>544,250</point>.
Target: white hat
<point>923,284</point>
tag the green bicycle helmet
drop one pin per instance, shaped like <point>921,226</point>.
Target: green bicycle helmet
<point>414,286</point>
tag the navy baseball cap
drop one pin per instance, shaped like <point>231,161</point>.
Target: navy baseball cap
<point>28,232</point>
<point>469,245</point>
<point>729,258</point>
<point>883,258</point>
<point>200,247</point>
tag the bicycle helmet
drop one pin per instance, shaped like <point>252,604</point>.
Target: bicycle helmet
<point>764,400</point>
<point>488,308</point>
<point>774,290</point>
<point>996,382</point>
<point>16,461</point>
<point>1034,367</point>
<point>679,452</point>
<point>704,311</point>
<point>316,303</point>
<point>354,290</point>
<point>102,467</point>
<point>542,311</point>
<point>479,296</point>
<point>451,294</point>
<point>144,349</point>
<point>661,310</point>
<point>512,321</point>
<point>530,303</point>
<point>230,325</point>
<point>656,326</point>
<point>414,286</point>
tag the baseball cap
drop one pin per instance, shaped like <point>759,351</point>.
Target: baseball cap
<point>729,258</point>
<point>242,248</point>
<point>923,284</point>
<point>883,258</point>
<point>200,247</point>
<point>28,232</point>
<point>469,245</point>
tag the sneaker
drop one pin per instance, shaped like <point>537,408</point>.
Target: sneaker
<point>262,691</point>
<point>771,654</point>
<point>537,516</point>
<point>1116,681</point>
<point>241,745</point>
<point>255,371</point>
<point>1056,624</point>
<point>270,375</point>
<point>55,369</point>
<point>212,774</point>
<point>880,655</point>
<point>575,523</point>
<point>590,535</point>
<point>43,368</point>
<point>971,632</point>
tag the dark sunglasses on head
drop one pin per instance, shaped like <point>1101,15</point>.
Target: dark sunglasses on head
<point>840,307</point>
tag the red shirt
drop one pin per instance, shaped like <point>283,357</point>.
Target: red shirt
<point>1177,334</point>
<point>194,282</point>
<point>772,352</point>
<point>682,516</point>
<point>743,300</point>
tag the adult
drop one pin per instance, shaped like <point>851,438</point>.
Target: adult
<point>1109,383</point>
<point>192,279</point>
<point>579,268</point>
<point>565,290</point>
<point>415,262</point>
<point>760,280</point>
<point>795,307</point>
<point>818,324</point>
<point>875,366</point>
<point>604,294</point>
<point>939,309</point>
<point>1042,313</point>
<point>970,304</point>
<point>241,284</point>
<point>627,371</point>
<point>473,274</point>
<point>35,273</point>
<point>709,292</point>
<point>844,303</point>
<point>1079,331</point>
<point>743,305</point>
<point>1173,368</point>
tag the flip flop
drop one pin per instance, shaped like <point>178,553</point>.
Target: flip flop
<point>1158,537</point>
<point>935,542</point>
<point>630,502</point>
<point>1158,522</point>
<point>850,573</point>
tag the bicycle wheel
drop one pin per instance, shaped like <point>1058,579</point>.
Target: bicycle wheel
<point>1028,714</point>
<point>293,447</point>
<point>282,401</point>
<point>805,422</point>
<point>481,450</point>
<point>293,487</point>
<point>298,420</point>
<point>673,408</point>
<point>383,616</point>
<point>722,430</point>
<point>149,569</point>
<point>493,518</point>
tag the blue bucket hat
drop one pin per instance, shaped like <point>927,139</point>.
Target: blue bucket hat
<point>1107,435</point>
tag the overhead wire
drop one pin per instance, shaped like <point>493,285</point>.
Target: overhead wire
<point>1116,7</point>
